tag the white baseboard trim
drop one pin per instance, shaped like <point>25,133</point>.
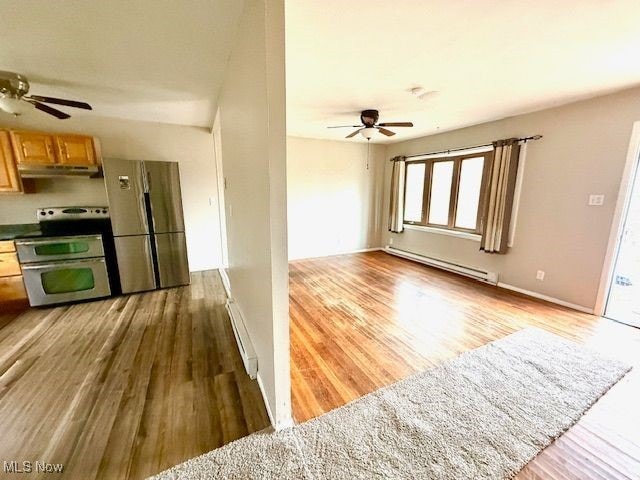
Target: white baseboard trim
<point>204,269</point>
<point>547,298</point>
<point>276,425</point>
<point>245,346</point>
<point>225,281</point>
<point>348,252</point>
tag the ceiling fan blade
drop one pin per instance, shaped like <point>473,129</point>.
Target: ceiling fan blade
<point>50,110</point>
<point>396,124</point>
<point>386,132</point>
<point>346,126</point>
<point>353,134</point>
<point>61,101</point>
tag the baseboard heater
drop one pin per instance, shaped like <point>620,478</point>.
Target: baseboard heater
<point>482,275</point>
<point>248,354</point>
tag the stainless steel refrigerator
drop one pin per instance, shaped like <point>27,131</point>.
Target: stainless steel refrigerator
<point>148,223</point>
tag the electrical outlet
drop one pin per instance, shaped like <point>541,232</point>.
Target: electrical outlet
<point>230,211</point>
<point>540,275</point>
<point>596,200</point>
<point>391,241</point>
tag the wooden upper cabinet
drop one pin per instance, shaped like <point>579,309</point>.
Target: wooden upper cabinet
<point>9,179</point>
<point>47,148</point>
<point>75,150</point>
<point>34,147</point>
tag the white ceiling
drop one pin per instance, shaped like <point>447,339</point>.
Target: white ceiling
<point>487,59</point>
<point>152,60</point>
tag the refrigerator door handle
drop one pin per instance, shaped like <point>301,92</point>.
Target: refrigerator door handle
<point>145,178</point>
<point>143,206</point>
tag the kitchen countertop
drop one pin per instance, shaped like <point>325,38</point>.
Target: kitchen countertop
<point>26,230</point>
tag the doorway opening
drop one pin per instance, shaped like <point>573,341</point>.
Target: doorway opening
<point>621,301</point>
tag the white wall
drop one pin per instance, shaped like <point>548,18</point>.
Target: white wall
<point>333,199</point>
<point>253,140</point>
<point>192,147</point>
<point>583,152</point>
<point>16,209</point>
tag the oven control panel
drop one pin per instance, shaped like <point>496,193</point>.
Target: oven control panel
<point>71,213</point>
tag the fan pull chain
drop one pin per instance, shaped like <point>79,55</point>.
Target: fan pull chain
<point>368,149</point>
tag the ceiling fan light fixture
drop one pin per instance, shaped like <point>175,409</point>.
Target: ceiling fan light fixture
<point>14,98</point>
<point>370,125</point>
<point>13,105</point>
<point>368,132</point>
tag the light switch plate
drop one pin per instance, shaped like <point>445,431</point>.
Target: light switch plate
<point>596,200</point>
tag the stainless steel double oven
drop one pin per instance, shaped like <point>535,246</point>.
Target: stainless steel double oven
<point>68,263</point>
<point>63,269</point>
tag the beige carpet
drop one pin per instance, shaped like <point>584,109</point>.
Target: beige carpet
<point>482,415</point>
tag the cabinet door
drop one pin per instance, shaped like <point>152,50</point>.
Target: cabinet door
<point>12,292</point>
<point>9,180</point>
<point>7,246</point>
<point>33,147</point>
<point>75,150</point>
<point>9,265</point>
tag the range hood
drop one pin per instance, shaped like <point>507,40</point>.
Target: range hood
<point>48,171</point>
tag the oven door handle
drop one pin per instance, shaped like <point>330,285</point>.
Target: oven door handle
<point>54,265</point>
<point>51,240</point>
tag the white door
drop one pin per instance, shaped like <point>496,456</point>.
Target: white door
<point>623,302</point>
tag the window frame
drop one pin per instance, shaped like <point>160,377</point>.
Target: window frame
<point>455,187</point>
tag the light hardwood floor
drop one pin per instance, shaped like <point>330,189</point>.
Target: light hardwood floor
<point>362,321</point>
<point>126,387</point>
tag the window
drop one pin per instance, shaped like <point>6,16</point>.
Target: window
<point>446,192</point>
<point>414,191</point>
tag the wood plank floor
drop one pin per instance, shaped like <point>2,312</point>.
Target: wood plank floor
<point>362,321</point>
<point>126,387</point>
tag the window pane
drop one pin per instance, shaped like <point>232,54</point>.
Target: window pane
<point>469,192</point>
<point>414,192</point>
<point>440,193</point>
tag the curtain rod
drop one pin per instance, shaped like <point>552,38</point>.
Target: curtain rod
<point>522,139</point>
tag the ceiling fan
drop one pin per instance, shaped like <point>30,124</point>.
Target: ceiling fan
<point>369,119</point>
<point>13,92</point>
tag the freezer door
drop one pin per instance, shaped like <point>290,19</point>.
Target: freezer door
<point>135,263</point>
<point>163,184</point>
<point>173,267</point>
<point>124,182</point>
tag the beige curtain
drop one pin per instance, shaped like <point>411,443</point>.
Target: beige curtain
<point>396,204</point>
<point>502,182</point>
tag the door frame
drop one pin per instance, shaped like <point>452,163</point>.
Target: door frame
<point>617,225</point>
<point>216,131</point>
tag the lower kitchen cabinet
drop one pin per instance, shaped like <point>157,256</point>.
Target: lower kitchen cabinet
<point>9,265</point>
<point>12,291</point>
